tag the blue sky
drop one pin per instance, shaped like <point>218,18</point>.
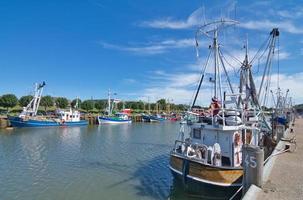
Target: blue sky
<point>139,49</point>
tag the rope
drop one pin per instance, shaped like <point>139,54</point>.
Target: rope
<point>290,140</point>
<point>234,195</point>
<point>200,80</point>
<point>262,46</point>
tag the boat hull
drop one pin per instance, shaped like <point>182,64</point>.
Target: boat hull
<point>200,179</point>
<point>151,118</point>
<point>106,120</point>
<point>19,122</point>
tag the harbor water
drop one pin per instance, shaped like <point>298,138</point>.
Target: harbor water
<point>96,162</point>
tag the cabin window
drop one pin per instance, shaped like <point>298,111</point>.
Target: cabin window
<point>70,116</point>
<point>197,133</point>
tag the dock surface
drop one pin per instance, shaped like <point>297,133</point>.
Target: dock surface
<point>286,178</point>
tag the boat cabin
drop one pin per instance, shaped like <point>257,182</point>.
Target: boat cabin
<point>68,116</point>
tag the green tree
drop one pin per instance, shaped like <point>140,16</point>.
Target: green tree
<point>153,106</point>
<point>46,102</point>
<point>134,105</point>
<point>24,100</point>
<point>140,105</point>
<point>8,101</point>
<point>162,104</point>
<point>74,103</point>
<point>128,104</point>
<point>61,102</point>
<point>87,105</point>
<point>100,105</point>
<point>120,105</point>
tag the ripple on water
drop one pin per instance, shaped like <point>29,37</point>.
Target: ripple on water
<point>114,162</point>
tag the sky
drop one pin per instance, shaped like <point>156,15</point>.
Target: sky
<point>140,49</point>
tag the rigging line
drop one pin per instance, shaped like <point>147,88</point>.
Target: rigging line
<point>278,84</point>
<point>268,62</point>
<point>201,79</point>
<point>233,57</point>
<point>235,72</point>
<point>267,84</point>
<point>262,46</point>
<point>261,56</point>
<point>226,74</point>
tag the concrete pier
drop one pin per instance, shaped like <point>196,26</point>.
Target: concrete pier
<point>285,181</point>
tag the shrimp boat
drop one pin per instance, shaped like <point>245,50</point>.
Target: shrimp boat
<point>210,158</point>
<point>118,118</point>
<point>29,118</point>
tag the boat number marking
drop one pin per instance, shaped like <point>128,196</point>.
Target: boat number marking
<point>251,161</point>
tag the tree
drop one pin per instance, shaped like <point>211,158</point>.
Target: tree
<point>46,101</point>
<point>8,101</point>
<point>61,102</point>
<point>25,100</point>
<point>74,103</point>
<point>100,105</point>
<point>153,106</point>
<point>120,105</point>
<point>87,105</point>
<point>140,105</point>
<point>134,105</point>
<point>162,104</point>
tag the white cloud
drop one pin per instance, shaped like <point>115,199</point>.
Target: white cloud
<point>182,93</point>
<point>286,81</point>
<point>286,26</point>
<point>129,80</point>
<point>196,18</point>
<point>153,47</point>
<point>291,14</point>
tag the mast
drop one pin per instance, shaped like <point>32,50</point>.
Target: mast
<point>148,105</point>
<point>215,46</point>
<point>275,33</point>
<point>32,108</point>
<point>210,30</point>
<point>109,104</point>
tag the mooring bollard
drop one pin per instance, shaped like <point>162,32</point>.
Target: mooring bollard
<point>280,129</point>
<point>253,158</point>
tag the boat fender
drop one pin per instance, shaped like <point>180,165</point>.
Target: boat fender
<point>62,121</point>
<point>238,144</point>
<point>191,153</point>
<point>204,155</point>
<point>183,148</point>
<point>217,155</point>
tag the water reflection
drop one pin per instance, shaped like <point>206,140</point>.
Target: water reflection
<point>94,162</point>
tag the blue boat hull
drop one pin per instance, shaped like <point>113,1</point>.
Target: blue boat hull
<point>19,122</point>
<point>109,120</point>
<point>151,118</point>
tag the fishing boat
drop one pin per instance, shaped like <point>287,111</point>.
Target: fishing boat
<point>29,118</point>
<point>209,158</point>
<point>152,118</point>
<point>117,118</point>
